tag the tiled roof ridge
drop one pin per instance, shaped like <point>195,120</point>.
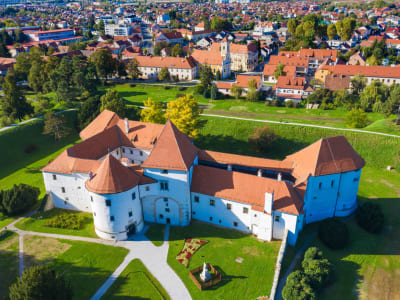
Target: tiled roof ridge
<point>333,156</point>
<point>175,133</point>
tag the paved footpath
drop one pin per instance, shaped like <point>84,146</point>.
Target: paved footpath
<point>140,247</point>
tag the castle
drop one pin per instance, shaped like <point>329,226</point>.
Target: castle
<point>127,172</point>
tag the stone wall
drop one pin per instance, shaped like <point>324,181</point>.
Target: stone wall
<point>278,266</point>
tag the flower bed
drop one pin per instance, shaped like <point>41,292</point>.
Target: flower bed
<point>190,247</point>
<point>66,221</point>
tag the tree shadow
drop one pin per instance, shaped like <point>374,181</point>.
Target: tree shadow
<point>128,94</point>
<point>225,278</point>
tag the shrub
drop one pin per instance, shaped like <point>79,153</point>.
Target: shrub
<point>132,85</point>
<point>289,103</point>
<point>370,217</point>
<point>262,138</point>
<point>356,118</point>
<point>41,282</point>
<point>199,89</point>
<point>30,148</point>
<point>181,88</point>
<point>276,103</point>
<point>6,121</point>
<point>178,95</point>
<point>333,233</point>
<point>18,199</point>
<point>317,268</point>
<point>66,221</point>
<point>166,87</point>
<point>298,287</point>
<point>206,93</point>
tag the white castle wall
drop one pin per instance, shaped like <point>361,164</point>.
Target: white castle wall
<point>121,205</point>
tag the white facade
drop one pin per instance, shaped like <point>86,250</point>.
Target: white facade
<point>117,29</point>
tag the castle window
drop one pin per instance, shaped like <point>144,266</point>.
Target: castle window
<point>165,199</point>
<point>332,183</point>
<point>63,189</point>
<point>196,199</point>
<point>131,151</point>
<point>91,198</point>
<point>164,171</point>
<point>161,216</point>
<point>141,153</point>
<point>117,152</point>
<point>164,186</point>
<point>123,150</point>
<point>147,188</point>
<point>167,209</point>
<point>219,221</point>
<point>212,202</point>
<point>108,202</point>
<point>54,177</point>
<point>193,212</point>
<point>276,218</point>
<point>235,224</point>
<point>229,206</point>
<point>112,218</point>
<point>245,210</point>
<point>320,185</point>
<point>133,196</point>
<point>210,218</point>
<point>130,213</point>
<point>355,179</point>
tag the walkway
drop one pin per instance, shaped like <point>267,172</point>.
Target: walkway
<point>140,247</point>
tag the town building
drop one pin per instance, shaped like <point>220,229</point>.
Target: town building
<point>127,172</point>
<point>118,29</point>
<point>57,34</point>
<point>244,58</point>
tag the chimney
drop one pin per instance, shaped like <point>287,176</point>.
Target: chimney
<point>229,168</point>
<point>269,199</point>
<point>126,125</point>
<point>259,173</point>
<point>279,176</point>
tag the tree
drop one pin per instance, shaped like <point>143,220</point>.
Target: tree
<point>104,62</point>
<point>41,283</point>
<point>18,199</point>
<point>55,124</point>
<point>206,76</point>
<point>356,118</point>
<point>372,61</point>
<point>262,138</point>
<point>65,70</point>
<point>373,96</point>
<point>298,287</point>
<point>218,75</point>
<point>279,70</point>
<point>219,24</point>
<point>358,84</point>
<point>133,69</point>
<point>88,111</point>
<point>252,92</point>
<point>13,102</point>
<point>153,112</point>
<point>112,101</point>
<point>4,51</point>
<point>317,269</point>
<point>177,50</point>
<point>36,76</point>
<point>236,91</point>
<point>214,92</point>
<point>185,114</point>
<point>393,102</point>
<point>331,31</point>
<point>370,217</point>
<point>164,74</point>
<point>333,233</point>
<point>345,28</point>
<point>23,65</point>
<point>63,92</point>
<point>292,25</point>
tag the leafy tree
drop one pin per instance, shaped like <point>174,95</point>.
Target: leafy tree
<point>185,114</point>
<point>23,65</point>
<point>331,31</point>
<point>88,111</point>
<point>121,68</point>
<point>63,92</point>
<point>36,76</point>
<point>206,76</point>
<point>164,74</point>
<point>333,233</point>
<point>370,217</point>
<point>13,102</point>
<point>214,92</point>
<point>153,112</point>
<point>55,124</point>
<point>18,199</point>
<point>4,51</point>
<point>133,69</point>
<point>393,102</point>
<point>375,93</point>
<point>112,101</point>
<point>252,92</point>
<point>6,38</point>
<point>358,84</point>
<point>300,30</point>
<point>104,63</point>
<point>177,50</point>
<point>157,49</point>
<point>356,118</point>
<point>279,70</point>
<point>292,25</point>
<point>218,75</point>
<point>372,61</point>
<point>262,138</point>
<point>219,24</point>
<point>65,70</point>
<point>236,91</point>
<point>319,270</point>
<point>298,287</point>
<point>41,283</point>
<point>20,36</point>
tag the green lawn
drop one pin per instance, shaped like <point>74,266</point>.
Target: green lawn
<point>37,223</point>
<point>85,265</point>
<point>246,280</point>
<point>155,234</point>
<point>136,282</point>
<point>9,247</point>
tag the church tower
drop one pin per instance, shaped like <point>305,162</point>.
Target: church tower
<point>225,51</point>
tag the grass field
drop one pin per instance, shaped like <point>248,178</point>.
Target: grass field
<point>9,246</point>
<point>136,282</point>
<point>85,265</point>
<point>246,280</point>
<point>37,223</point>
<point>155,234</point>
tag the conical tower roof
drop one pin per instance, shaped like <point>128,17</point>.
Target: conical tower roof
<point>112,177</point>
<point>172,151</point>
